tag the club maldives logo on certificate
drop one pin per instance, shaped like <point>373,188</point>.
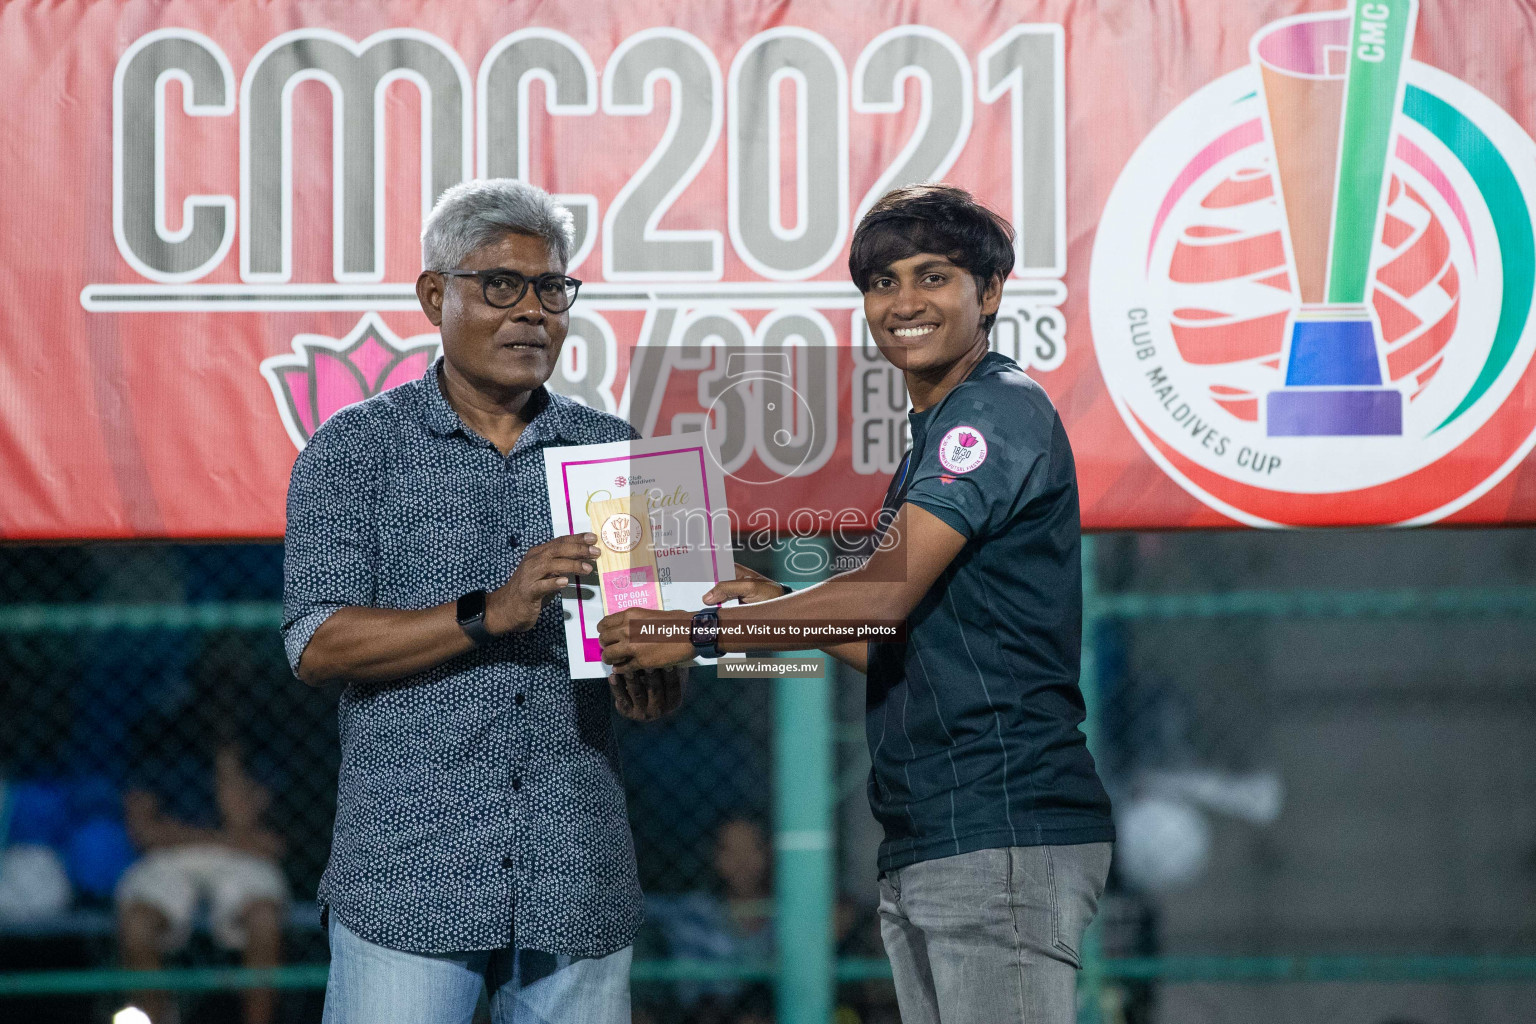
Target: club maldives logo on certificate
<point>657,507</point>
<point>1311,287</point>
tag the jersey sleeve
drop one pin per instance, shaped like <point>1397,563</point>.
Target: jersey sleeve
<point>986,456</point>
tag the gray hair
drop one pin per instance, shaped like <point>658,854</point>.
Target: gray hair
<point>476,213</point>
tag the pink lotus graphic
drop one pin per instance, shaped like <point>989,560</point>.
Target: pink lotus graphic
<point>327,374</point>
<point>967,440</point>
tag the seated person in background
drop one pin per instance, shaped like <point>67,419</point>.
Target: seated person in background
<point>732,923</point>
<point>743,864</point>
<point>203,841</point>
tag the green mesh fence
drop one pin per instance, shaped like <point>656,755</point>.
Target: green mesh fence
<point>126,669</point>
<point>1380,683</point>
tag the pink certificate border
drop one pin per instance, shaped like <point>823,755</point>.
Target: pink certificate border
<point>592,650</point>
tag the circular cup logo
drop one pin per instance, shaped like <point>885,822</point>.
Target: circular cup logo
<point>962,450</point>
<point>621,532</point>
<point>1303,304</point>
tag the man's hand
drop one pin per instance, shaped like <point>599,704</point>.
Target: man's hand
<point>647,695</point>
<point>544,571</point>
<point>749,587</point>
<point>627,655</point>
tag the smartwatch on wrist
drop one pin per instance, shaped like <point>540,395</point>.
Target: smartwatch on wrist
<point>704,633</point>
<point>470,612</point>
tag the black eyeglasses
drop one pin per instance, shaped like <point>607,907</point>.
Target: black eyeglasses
<point>506,288</point>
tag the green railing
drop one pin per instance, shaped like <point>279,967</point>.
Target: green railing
<point>77,618</point>
<point>1182,969</point>
<point>1397,603</point>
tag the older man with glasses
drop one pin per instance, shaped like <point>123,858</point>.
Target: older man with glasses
<point>481,842</point>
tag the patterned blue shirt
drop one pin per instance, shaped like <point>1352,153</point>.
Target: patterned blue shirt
<point>480,802</point>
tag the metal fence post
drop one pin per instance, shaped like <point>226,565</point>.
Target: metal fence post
<point>803,870</point>
<point>1091,978</point>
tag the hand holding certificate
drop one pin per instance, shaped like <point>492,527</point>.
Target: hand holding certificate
<point>658,509</point>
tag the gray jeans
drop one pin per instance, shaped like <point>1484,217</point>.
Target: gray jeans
<point>991,936</point>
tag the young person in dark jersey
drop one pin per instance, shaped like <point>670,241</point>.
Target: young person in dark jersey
<point>997,829</point>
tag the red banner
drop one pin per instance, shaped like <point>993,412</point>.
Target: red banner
<point>1275,261</point>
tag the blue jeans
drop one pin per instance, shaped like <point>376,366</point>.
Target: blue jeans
<point>991,937</point>
<point>373,985</point>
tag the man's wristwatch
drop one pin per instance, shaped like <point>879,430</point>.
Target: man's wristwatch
<point>704,633</point>
<point>471,615</point>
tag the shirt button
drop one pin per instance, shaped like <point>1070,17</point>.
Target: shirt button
<point>519,699</point>
<point>511,540</point>
<point>507,862</point>
<point>517,782</point>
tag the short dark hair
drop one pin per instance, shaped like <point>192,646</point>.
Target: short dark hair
<point>933,218</point>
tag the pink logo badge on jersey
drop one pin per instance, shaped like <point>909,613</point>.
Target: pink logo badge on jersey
<point>962,450</point>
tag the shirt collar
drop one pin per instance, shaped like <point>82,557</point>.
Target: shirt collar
<point>990,363</point>
<point>552,421</point>
<point>993,362</point>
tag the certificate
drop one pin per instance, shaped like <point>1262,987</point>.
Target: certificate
<point>658,509</point>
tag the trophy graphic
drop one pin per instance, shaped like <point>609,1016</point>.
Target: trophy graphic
<point>626,560</point>
<point>1332,85</point>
